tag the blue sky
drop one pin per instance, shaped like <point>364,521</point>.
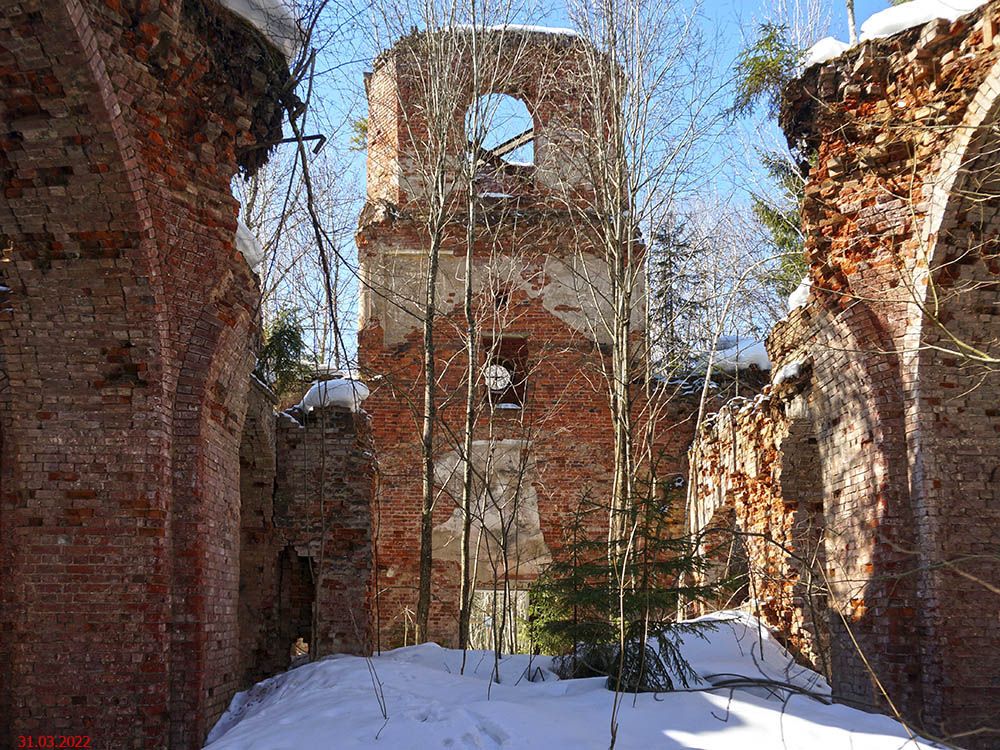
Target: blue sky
<point>340,88</point>
<point>729,22</point>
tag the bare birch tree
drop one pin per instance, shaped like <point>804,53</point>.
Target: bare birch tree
<point>655,100</point>
<point>436,83</point>
<point>650,87</point>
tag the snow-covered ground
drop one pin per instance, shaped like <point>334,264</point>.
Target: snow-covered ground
<point>429,704</point>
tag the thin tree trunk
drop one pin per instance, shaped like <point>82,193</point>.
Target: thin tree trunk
<point>852,29</point>
<point>427,443</point>
<point>470,412</point>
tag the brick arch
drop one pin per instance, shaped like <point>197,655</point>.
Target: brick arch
<point>81,337</point>
<point>127,356</point>
<point>852,410</point>
<point>208,413</point>
<point>952,418</point>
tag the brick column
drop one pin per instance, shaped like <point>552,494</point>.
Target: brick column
<point>125,347</point>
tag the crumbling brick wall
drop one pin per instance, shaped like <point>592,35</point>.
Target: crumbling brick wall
<point>126,317</point>
<point>899,219</point>
<point>264,649</point>
<point>322,504</point>
<point>757,473</point>
<point>306,550</point>
<point>533,260</point>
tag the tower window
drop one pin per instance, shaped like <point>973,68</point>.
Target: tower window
<point>500,128</point>
<point>505,372</point>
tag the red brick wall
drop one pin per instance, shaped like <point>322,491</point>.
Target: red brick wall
<point>264,645</point>
<point>125,341</point>
<point>322,498</point>
<point>902,263</point>
<point>306,488</point>
<point>531,289</point>
<point>758,469</point>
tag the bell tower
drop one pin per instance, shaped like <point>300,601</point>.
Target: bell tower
<point>542,439</point>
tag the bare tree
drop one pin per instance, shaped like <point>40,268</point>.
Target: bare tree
<point>637,164</point>
<point>852,27</point>
<point>650,87</point>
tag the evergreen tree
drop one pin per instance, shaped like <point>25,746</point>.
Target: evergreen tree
<point>281,362</point>
<point>673,297</point>
<point>783,221</point>
<point>359,135</point>
<point>763,68</point>
<point>583,607</point>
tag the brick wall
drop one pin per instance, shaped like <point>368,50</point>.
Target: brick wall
<point>758,469</point>
<point>899,217</point>
<point>535,466</point>
<point>322,504</point>
<point>306,550</point>
<point>125,354</point>
<point>264,644</point>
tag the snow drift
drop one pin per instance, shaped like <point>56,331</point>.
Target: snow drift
<point>336,703</point>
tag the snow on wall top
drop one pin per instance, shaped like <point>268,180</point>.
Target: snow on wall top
<point>800,296</point>
<point>275,19</point>
<point>892,21</point>
<point>825,49</point>
<point>791,371</point>
<point>515,27</point>
<point>247,243</point>
<point>344,392</point>
<point>744,354</point>
<point>900,17</point>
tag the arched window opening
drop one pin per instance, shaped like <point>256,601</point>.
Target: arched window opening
<point>501,131</point>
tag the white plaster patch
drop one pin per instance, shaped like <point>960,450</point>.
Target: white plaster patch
<point>506,507</point>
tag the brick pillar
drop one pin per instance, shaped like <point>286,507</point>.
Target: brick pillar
<point>124,343</point>
<point>323,508</point>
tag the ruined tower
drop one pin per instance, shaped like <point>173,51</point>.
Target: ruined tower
<point>126,322</point>
<point>543,443</point>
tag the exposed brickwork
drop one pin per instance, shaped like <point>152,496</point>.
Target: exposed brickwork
<point>323,498</point>
<point>532,260</point>
<point>758,465</point>
<point>900,218</point>
<point>303,482</point>
<point>264,645</point>
<point>124,345</point>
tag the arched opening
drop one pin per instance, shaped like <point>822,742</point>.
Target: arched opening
<point>802,496</point>
<point>954,337</point>
<point>501,131</point>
